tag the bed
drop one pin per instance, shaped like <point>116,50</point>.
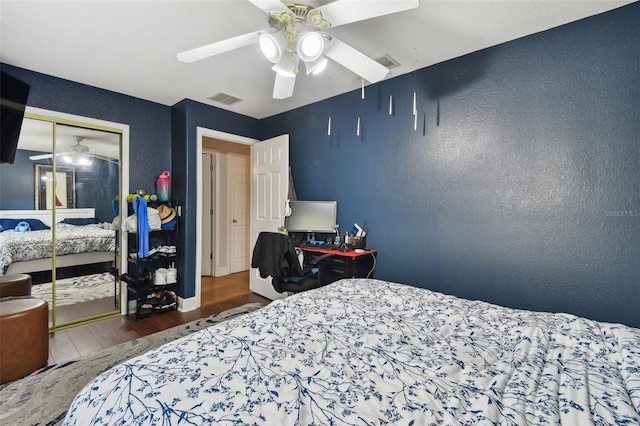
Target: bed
<point>370,352</point>
<point>29,252</point>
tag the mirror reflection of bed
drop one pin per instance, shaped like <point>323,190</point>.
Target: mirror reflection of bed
<point>85,254</point>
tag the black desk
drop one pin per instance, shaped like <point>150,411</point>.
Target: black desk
<point>345,264</point>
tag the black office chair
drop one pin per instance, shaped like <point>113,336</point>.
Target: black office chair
<point>275,255</point>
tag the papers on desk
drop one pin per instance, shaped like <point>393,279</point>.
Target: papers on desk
<point>358,231</point>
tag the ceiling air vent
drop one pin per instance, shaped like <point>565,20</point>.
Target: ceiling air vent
<point>225,98</point>
<point>388,61</point>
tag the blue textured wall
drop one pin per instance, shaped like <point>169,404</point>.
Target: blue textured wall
<point>149,122</point>
<point>520,185</point>
<point>17,180</point>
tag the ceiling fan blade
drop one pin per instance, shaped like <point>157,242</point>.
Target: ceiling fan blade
<point>268,6</point>
<point>106,158</point>
<point>342,12</point>
<point>41,157</point>
<point>219,47</point>
<point>48,156</point>
<point>283,87</point>
<point>355,61</point>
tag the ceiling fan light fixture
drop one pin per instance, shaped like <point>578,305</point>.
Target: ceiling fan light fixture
<point>77,158</point>
<point>272,46</point>
<point>310,46</point>
<point>83,160</point>
<point>317,66</point>
<point>78,155</point>
<point>296,32</point>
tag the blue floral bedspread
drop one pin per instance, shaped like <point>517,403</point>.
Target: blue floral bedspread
<point>368,352</point>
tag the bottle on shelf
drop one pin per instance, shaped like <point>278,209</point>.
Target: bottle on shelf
<point>163,186</point>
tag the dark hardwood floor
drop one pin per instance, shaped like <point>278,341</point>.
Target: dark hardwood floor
<point>218,294</point>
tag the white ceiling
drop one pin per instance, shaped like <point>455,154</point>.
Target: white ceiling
<point>130,46</point>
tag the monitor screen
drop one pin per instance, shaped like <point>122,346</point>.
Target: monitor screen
<point>312,216</point>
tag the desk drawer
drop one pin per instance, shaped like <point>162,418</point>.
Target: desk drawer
<point>339,273</point>
<point>343,261</point>
<point>310,256</point>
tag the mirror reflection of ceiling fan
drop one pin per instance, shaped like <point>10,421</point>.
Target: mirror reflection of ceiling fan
<point>297,33</point>
<point>75,155</point>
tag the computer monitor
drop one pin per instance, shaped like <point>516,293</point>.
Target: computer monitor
<point>312,217</point>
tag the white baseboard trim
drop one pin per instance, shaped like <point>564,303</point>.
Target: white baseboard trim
<point>186,305</point>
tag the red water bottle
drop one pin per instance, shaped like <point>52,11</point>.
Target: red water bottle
<point>163,186</point>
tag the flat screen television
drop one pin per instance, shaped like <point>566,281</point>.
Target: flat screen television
<point>312,217</point>
<point>13,101</point>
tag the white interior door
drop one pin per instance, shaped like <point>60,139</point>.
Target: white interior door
<point>207,214</point>
<point>269,187</point>
<point>239,212</point>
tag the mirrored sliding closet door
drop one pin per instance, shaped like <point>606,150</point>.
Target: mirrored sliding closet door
<point>66,183</point>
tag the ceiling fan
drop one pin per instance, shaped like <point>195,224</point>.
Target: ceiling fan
<point>297,33</point>
<point>75,155</point>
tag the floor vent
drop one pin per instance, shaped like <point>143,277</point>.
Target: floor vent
<point>388,61</point>
<point>225,98</point>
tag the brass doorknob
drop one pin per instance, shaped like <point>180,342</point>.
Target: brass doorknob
<point>235,221</point>
<point>282,228</point>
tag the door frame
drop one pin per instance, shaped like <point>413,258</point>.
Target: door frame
<point>214,193</point>
<point>202,132</point>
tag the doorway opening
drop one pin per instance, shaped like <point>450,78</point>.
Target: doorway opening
<point>224,152</point>
<point>225,207</point>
